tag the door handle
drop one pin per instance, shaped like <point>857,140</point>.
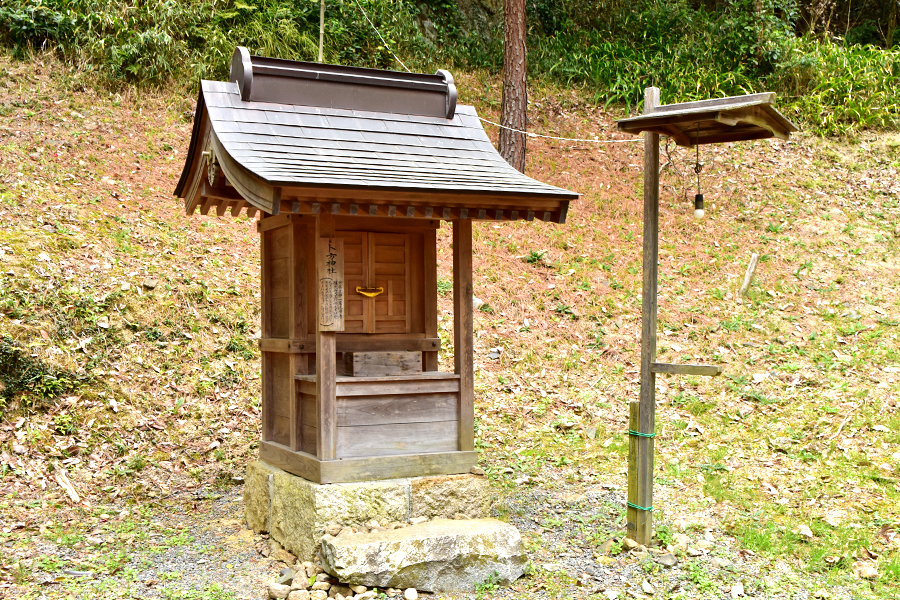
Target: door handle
<point>369,292</point>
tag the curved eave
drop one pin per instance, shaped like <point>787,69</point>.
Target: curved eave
<point>248,190</point>
<point>199,113</point>
<point>305,159</point>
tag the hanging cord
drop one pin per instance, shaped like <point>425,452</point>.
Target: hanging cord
<point>698,166</point>
<point>529,134</point>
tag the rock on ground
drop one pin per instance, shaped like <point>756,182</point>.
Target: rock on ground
<point>437,556</point>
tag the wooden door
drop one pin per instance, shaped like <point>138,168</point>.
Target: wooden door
<point>356,260</point>
<point>372,261</point>
<point>389,270</point>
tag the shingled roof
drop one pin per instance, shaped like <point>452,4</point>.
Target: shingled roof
<point>328,150</point>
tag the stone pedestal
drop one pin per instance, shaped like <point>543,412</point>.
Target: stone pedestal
<point>295,511</point>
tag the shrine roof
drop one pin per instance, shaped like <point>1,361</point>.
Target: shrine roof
<point>328,145</point>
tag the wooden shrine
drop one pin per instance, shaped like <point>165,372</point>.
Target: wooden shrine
<point>351,172</point>
<point>690,124</point>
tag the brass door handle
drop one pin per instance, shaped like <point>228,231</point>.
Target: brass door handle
<point>369,292</point>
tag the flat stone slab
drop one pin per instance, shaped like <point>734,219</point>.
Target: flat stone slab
<point>437,556</point>
<point>295,511</point>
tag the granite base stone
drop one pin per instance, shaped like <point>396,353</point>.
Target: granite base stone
<point>294,511</point>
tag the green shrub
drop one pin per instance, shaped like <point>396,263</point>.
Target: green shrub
<point>839,88</point>
<point>33,380</point>
<point>612,48</point>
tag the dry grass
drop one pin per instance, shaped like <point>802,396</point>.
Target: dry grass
<point>802,429</point>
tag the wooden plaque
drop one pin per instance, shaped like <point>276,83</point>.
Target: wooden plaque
<point>330,291</point>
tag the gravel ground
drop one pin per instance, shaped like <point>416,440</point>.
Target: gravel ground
<point>196,547</point>
<point>574,538</point>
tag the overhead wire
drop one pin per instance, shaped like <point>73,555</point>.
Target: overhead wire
<point>565,139</point>
<point>388,48</point>
<point>528,133</point>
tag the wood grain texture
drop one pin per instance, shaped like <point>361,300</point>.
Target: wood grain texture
<point>350,344</point>
<point>463,331</point>
<point>308,441</point>
<point>384,410</point>
<point>643,519</point>
<point>370,386</point>
<point>419,206</point>
<point>356,274</point>
<point>393,467</point>
<point>714,121</point>
<point>416,289</point>
<point>706,370</point>
<point>273,222</point>
<point>265,370</point>
<point>382,364</point>
<point>389,269</point>
<point>632,514</point>
<point>387,344</point>
<point>298,463</point>
<point>280,397</point>
<point>326,368</point>
<point>266,414</point>
<point>300,231</point>
<point>423,377</point>
<point>294,346</point>
<point>396,438</point>
<point>429,301</point>
<point>366,469</point>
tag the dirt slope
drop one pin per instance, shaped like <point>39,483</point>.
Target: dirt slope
<point>127,345</point>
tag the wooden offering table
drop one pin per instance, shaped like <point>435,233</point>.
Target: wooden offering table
<point>351,172</point>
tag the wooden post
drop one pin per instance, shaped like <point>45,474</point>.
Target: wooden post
<point>643,420</point>
<point>326,364</point>
<point>267,414</point>
<point>430,358</point>
<point>463,331</point>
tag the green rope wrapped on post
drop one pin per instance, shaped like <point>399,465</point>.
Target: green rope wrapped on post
<point>641,434</point>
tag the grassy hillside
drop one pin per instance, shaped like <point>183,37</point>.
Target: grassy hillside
<point>129,365</point>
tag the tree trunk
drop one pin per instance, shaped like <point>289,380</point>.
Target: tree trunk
<point>515,98</point>
<point>892,26</point>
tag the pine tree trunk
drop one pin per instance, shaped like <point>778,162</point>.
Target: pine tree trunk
<point>892,26</point>
<point>512,144</point>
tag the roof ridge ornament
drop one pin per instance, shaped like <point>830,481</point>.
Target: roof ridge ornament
<point>451,91</point>
<point>292,82</point>
<point>242,71</point>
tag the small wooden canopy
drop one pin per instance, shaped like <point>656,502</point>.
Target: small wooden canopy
<point>734,119</point>
<point>312,138</point>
